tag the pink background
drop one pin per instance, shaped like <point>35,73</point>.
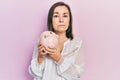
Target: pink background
<point>97,22</point>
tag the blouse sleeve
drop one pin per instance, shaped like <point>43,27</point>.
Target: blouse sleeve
<point>71,66</point>
<point>36,69</point>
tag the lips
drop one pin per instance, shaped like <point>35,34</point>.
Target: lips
<point>61,25</point>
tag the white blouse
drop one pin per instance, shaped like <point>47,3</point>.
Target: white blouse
<point>69,67</point>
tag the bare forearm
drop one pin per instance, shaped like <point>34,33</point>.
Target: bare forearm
<point>56,57</point>
<point>40,59</point>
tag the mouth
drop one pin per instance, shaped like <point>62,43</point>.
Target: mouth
<point>61,25</point>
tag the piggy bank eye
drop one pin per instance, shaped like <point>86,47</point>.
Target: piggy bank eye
<point>50,32</point>
<point>45,36</point>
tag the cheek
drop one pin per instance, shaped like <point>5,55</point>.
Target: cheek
<point>67,22</point>
<point>55,21</point>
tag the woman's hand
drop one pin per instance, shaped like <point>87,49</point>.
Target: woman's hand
<point>41,50</point>
<point>54,53</point>
<point>41,53</point>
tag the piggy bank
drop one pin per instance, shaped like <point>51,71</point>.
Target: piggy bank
<point>49,39</point>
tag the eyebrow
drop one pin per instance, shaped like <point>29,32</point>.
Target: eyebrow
<point>55,12</point>
<point>66,13</point>
<point>58,13</point>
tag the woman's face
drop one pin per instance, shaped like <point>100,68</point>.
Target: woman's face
<point>60,19</point>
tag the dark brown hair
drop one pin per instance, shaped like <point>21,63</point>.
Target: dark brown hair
<point>50,15</point>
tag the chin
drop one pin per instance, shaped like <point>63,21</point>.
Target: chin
<point>61,31</point>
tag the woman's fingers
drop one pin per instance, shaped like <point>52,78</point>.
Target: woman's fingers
<point>46,50</point>
<point>40,46</point>
<point>41,49</point>
<point>42,52</point>
<point>50,50</point>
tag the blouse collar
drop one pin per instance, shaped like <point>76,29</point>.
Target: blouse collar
<point>67,41</point>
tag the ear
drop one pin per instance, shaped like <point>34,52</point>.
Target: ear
<point>50,32</point>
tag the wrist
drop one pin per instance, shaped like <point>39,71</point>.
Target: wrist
<point>40,58</point>
<point>58,58</point>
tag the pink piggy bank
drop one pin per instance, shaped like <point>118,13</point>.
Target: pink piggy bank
<point>49,39</point>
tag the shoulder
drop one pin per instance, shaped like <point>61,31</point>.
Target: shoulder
<point>73,46</point>
<point>76,42</point>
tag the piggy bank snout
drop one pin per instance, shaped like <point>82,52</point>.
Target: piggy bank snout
<point>45,36</point>
<point>49,39</point>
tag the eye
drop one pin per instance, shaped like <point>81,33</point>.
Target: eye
<point>55,16</point>
<point>65,16</point>
<point>45,36</point>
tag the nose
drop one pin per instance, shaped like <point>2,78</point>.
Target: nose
<point>61,19</point>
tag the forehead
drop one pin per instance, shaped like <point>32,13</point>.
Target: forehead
<point>61,9</point>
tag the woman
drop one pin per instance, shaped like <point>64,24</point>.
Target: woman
<point>65,62</point>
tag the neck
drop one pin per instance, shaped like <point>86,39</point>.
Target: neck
<point>62,36</point>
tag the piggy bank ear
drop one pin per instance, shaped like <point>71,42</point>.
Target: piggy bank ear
<point>50,32</point>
